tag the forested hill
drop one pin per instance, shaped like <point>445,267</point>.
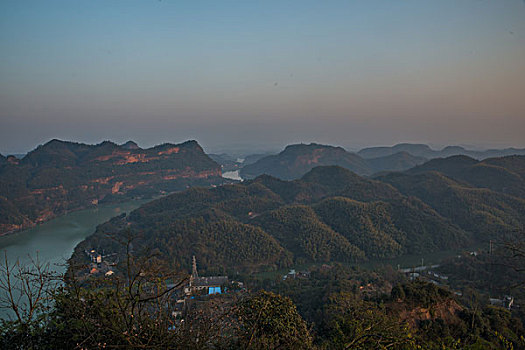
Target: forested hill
<point>61,176</point>
<point>504,174</point>
<point>330,214</point>
<point>296,160</point>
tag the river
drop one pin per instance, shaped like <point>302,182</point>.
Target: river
<point>233,175</point>
<point>54,240</point>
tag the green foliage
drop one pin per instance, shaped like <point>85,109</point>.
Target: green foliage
<point>336,181</point>
<point>329,215</point>
<point>299,230</point>
<point>504,174</point>
<point>485,213</point>
<point>351,323</point>
<point>270,321</point>
<point>420,293</point>
<point>132,310</point>
<point>366,225</point>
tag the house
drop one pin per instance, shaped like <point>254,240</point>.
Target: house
<point>211,285</point>
<point>205,285</point>
<point>506,302</point>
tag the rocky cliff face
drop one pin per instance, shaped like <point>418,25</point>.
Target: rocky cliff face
<point>61,176</point>
<point>446,310</point>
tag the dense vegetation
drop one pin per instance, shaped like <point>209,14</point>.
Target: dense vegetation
<point>488,214</point>
<point>61,176</point>
<point>332,307</point>
<point>330,214</point>
<point>326,221</point>
<point>506,174</point>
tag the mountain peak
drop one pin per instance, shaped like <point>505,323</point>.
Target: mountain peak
<point>130,145</point>
<point>311,146</point>
<point>453,148</point>
<point>106,143</point>
<point>190,144</point>
<point>296,160</point>
<point>54,143</point>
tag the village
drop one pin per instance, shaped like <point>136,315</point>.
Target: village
<point>199,288</point>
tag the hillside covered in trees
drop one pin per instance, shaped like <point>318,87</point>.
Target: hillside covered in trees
<point>61,176</point>
<point>331,307</point>
<point>330,214</point>
<point>504,174</point>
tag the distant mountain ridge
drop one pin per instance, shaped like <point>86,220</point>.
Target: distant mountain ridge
<point>399,161</point>
<point>422,150</point>
<point>60,176</point>
<point>227,162</point>
<point>504,174</point>
<point>296,160</point>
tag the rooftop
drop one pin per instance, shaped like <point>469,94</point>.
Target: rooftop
<point>210,281</point>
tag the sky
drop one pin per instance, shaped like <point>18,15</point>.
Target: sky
<point>258,75</point>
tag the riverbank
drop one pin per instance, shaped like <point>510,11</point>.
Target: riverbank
<point>53,241</point>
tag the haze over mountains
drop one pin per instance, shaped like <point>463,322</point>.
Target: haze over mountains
<point>61,176</point>
<point>421,150</point>
<point>295,160</point>
<point>320,217</point>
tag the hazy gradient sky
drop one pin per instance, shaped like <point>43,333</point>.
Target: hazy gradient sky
<point>262,73</point>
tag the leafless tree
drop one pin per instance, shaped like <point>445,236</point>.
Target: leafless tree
<point>26,289</point>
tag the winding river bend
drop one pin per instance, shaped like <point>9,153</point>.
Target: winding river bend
<point>54,241</point>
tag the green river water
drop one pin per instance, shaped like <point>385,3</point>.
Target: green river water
<point>54,241</point>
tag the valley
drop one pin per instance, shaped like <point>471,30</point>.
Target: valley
<point>397,238</point>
